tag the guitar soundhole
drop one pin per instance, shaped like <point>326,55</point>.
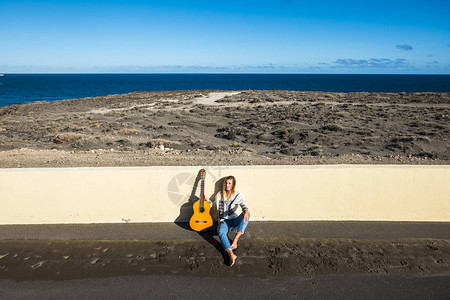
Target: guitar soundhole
<point>202,209</point>
<point>200,221</point>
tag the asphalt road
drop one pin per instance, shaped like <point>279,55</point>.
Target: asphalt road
<point>178,287</point>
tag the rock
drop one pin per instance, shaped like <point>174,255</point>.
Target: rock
<point>94,261</point>
<point>38,265</point>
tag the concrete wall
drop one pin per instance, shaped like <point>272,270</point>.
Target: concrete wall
<point>161,194</point>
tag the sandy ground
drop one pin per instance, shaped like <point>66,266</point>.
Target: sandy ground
<point>303,250</point>
<point>228,128</point>
<point>261,258</point>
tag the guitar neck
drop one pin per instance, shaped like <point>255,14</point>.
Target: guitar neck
<point>202,193</point>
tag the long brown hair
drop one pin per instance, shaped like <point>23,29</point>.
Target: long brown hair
<point>225,195</point>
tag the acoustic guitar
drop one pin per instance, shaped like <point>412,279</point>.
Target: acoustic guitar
<point>201,219</point>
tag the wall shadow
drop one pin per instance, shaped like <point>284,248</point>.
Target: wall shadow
<point>210,234</point>
<point>186,210</point>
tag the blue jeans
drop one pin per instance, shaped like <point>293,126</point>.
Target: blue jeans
<point>226,225</point>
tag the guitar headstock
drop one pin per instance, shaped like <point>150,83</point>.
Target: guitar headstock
<point>202,174</point>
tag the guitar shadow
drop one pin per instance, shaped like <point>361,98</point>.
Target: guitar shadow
<point>209,234</point>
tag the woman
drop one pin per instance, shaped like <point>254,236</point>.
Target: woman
<point>227,202</point>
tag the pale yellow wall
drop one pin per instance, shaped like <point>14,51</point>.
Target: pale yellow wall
<point>160,194</point>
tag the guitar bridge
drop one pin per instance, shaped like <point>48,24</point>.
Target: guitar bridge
<point>200,221</point>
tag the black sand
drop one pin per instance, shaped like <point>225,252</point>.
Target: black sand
<point>269,250</point>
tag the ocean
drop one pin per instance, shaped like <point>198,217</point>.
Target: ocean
<point>20,88</point>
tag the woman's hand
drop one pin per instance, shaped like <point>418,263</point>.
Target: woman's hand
<point>246,215</point>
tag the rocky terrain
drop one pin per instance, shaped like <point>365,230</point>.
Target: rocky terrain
<point>228,128</point>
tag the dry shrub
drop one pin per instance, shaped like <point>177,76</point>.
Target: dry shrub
<point>161,142</point>
<point>73,127</point>
<point>67,137</point>
<point>129,131</point>
<point>333,127</point>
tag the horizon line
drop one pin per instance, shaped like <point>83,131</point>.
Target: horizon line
<point>208,73</point>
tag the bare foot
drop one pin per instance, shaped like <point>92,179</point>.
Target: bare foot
<point>236,239</point>
<point>232,257</point>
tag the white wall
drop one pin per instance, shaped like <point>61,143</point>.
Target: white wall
<point>161,194</point>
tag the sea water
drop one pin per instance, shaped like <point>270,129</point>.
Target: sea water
<point>20,88</point>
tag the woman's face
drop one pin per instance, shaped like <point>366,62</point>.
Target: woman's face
<point>229,185</point>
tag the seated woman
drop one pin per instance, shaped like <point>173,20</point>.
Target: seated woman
<point>227,202</point>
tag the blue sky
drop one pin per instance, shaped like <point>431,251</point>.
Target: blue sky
<point>278,36</point>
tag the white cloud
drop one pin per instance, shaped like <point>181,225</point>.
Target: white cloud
<point>377,63</point>
<point>404,47</point>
